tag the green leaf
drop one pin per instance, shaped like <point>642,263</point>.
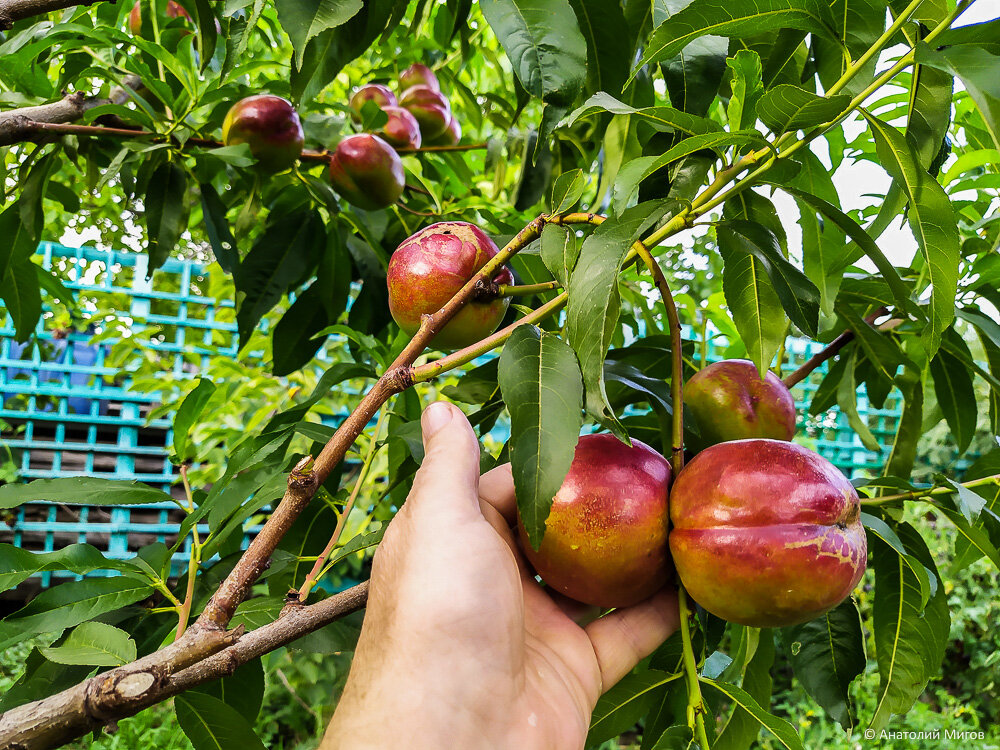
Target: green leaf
<point>693,75</point>
<point>827,654</point>
<point>16,243</point>
<point>243,690</point>
<point>295,341</point>
<point>747,89</point>
<point>976,68</point>
<point>662,118</point>
<point>541,384</point>
<point>604,28</point>
<point>69,604</point>
<point>799,296</point>
<point>824,243</point>
<point>567,190</point>
<point>637,170</point>
<point>81,491</point>
<point>217,229</point>
<point>924,579</point>
<point>257,612</point>
<point>780,729</point>
<point>847,400</point>
<point>754,674</point>
<point>625,703</point>
<point>787,107</point>
<point>559,249</point>
<point>21,293</point>
<point>187,414</point>
<point>304,19</point>
<point>17,564</point>
<point>93,643</point>
<point>594,300</point>
<point>543,42</point>
<point>211,724</point>
<point>166,214</point>
<point>931,218</point>
<point>955,393</point>
<point>283,254</point>
<point>909,641</point>
<point>734,19</point>
<point>752,301</point>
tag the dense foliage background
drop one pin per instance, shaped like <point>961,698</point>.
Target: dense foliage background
<point>632,110</point>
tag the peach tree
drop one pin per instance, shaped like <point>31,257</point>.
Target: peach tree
<point>636,163</point>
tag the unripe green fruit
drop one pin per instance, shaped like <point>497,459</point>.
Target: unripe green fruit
<point>366,172</point>
<point>766,533</point>
<point>430,107</point>
<point>417,75</point>
<point>372,92</point>
<point>270,126</point>
<point>729,401</point>
<point>427,270</point>
<point>605,539</point>
<point>402,129</point>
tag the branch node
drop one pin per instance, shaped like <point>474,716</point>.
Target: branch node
<point>486,290</point>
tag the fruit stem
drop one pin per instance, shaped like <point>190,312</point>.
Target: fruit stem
<point>696,704</point>
<point>429,371</point>
<point>930,491</point>
<point>194,557</point>
<point>315,573</point>
<point>676,358</point>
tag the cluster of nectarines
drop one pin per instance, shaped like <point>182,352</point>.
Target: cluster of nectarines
<point>761,531</point>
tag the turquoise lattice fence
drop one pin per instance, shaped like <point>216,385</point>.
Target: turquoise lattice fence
<point>66,412</point>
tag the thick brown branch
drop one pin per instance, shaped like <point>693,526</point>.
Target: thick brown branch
<point>15,10</point>
<point>27,123</point>
<point>797,376</point>
<point>124,692</point>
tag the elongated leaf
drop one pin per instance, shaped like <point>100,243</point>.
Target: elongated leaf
<point>827,654</point>
<point>747,88</point>
<point>909,642</point>
<point>931,218</point>
<point>282,255</point>
<point>542,39</point>
<point>662,118</point>
<point>304,19</point>
<point>976,67</point>
<point>17,564</point>
<point>220,237</point>
<point>781,730</point>
<point>604,28</point>
<point>625,703</point>
<point>211,724</point>
<point>69,604</point>
<point>542,386</point>
<point>81,491</point>
<point>637,170</point>
<point>243,690</point>
<point>847,399</point>
<point>21,293</point>
<point>16,243</point>
<point>166,212</point>
<point>924,579</point>
<point>567,190</point>
<point>726,18</point>
<point>787,107</point>
<point>955,393</point>
<point>752,300</point>
<point>93,643</point>
<point>799,296</point>
<point>559,249</point>
<point>693,75</point>
<point>295,341</point>
<point>742,728</point>
<point>187,414</point>
<point>593,306</point>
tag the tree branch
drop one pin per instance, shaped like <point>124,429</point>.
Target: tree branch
<point>797,376</point>
<point>16,10</point>
<point>24,124</point>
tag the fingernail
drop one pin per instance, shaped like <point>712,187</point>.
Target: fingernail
<point>435,416</point>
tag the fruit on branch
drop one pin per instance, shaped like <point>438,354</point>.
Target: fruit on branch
<point>430,107</point>
<point>372,92</point>
<point>429,267</point>
<point>451,136</point>
<point>270,126</point>
<point>366,172</point>
<point>729,401</point>
<point>174,10</point>
<point>418,75</point>
<point>605,538</point>
<point>401,130</point>
<point>766,533</point>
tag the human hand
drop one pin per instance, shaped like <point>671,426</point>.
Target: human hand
<point>461,647</point>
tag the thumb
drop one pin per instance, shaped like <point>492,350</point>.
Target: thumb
<point>448,478</point>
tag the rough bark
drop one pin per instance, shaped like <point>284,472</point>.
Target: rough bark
<point>15,10</point>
